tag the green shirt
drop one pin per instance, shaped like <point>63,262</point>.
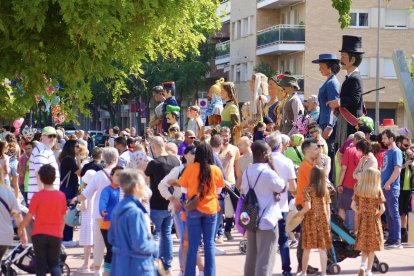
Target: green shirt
<point>291,153</point>
<point>228,110</point>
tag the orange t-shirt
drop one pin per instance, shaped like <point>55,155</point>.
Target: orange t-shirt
<point>189,182</point>
<point>302,181</point>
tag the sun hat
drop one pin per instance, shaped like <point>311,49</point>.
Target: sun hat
<point>48,131</point>
<point>325,57</point>
<point>291,221</point>
<point>289,81</point>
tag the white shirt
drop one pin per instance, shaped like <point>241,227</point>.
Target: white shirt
<point>124,158</point>
<point>175,173</point>
<point>286,170</point>
<point>111,141</point>
<point>94,188</point>
<point>41,155</point>
<point>268,183</point>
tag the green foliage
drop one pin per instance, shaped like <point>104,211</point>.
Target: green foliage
<point>343,7</point>
<point>72,42</point>
<point>266,68</point>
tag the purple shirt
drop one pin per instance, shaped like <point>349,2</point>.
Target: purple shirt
<point>182,148</point>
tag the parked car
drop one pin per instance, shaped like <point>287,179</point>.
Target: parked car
<point>100,139</point>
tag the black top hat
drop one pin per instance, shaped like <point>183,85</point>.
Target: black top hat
<point>352,44</point>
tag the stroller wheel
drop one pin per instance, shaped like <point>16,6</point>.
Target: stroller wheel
<point>383,267</point>
<point>334,269</point>
<point>65,269</point>
<point>243,246</point>
<point>10,272</point>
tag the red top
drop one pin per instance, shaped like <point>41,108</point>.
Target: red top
<point>49,210</point>
<point>350,160</point>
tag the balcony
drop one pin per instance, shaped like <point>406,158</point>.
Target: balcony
<point>275,4</point>
<point>281,38</point>
<point>223,11</point>
<point>223,52</point>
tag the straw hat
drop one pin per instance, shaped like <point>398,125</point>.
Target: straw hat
<point>291,221</point>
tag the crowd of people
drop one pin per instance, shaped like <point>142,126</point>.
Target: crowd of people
<point>276,162</point>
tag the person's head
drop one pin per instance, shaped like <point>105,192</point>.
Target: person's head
<point>350,60</point>
<point>3,147</point>
<point>179,136</point>
<point>245,111</point>
<point>405,142</point>
<point>149,133</point>
<point>158,146</point>
<point>285,141</point>
<point>215,90</point>
<point>28,148</point>
<point>228,92</point>
<point>131,143</point>
<point>110,156</point>
<point>317,180</point>
<point>133,132</point>
<point>274,88</point>
<point>133,182</point>
<point>189,155</point>
<point>329,67</point>
<point>310,149</point>
<point>388,138</point>
<point>10,138</point>
<point>296,140</point>
<point>225,135</point>
<point>204,156</point>
<point>261,152</point>
<point>115,130</point>
<point>364,146</point>
<point>171,148</point>
<point>47,174</point>
<point>366,130</point>
<point>168,89</point>
<point>216,141</point>
<point>369,185</point>
<point>289,84</point>
<point>193,112</point>
<point>244,145</point>
<point>97,154</point>
<point>115,172</point>
<point>311,103</point>
<point>260,126</point>
<point>315,131</point>
<point>275,141</point>
<point>358,136</point>
<point>71,148</point>
<point>79,134</point>
<point>157,93</point>
<point>189,137</point>
<point>49,136</point>
<point>120,144</point>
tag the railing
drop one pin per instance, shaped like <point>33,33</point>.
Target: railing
<point>281,34</point>
<point>223,49</point>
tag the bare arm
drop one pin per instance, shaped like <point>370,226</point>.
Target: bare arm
<point>354,206</point>
<point>19,219</point>
<point>342,175</point>
<point>305,209</point>
<point>395,174</point>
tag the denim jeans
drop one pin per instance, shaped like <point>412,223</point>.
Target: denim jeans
<point>163,221</point>
<point>220,227</point>
<point>393,216</point>
<point>47,251</point>
<point>179,228</point>
<point>284,244</point>
<point>199,223</point>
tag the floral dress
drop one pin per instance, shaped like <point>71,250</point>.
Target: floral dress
<point>316,231</point>
<point>369,236</point>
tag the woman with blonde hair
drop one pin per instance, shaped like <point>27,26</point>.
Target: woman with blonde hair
<point>215,108</point>
<point>368,203</point>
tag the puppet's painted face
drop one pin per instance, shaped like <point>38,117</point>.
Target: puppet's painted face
<point>171,118</point>
<point>245,112</point>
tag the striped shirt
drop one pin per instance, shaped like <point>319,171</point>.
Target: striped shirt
<point>41,155</point>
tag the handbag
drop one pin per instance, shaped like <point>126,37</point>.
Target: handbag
<point>228,207</point>
<point>73,216</point>
<point>191,203</point>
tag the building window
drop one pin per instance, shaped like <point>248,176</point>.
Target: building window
<point>359,19</point>
<point>364,68</point>
<point>389,70</point>
<point>396,19</point>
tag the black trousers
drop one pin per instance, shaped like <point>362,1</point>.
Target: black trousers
<point>47,253</point>
<point>108,255</point>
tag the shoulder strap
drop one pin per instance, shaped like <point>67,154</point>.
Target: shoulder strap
<point>66,178</point>
<point>5,205</point>
<point>257,179</point>
<point>107,175</point>
<point>298,153</point>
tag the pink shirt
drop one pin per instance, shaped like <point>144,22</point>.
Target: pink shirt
<point>351,159</point>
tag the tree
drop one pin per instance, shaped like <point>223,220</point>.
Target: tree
<point>47,42</point>
<point>343,7</point>
<point>266,68</point>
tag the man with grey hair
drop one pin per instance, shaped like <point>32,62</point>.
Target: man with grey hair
<point>346,181</point>
<point>285,141</point>
<point>286,170</point>
<point>156,170</point>
<point>93,191</point>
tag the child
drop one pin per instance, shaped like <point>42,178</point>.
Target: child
<point>110,197</point>
<point>315,227</point>
<point>259,132</point>
<point>49,208</point>
<point>368,203</point>
<point>23,169</point>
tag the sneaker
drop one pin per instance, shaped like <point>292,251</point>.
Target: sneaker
<point>70,243</point>
<point>97,273</point>
<point>311,270</point>
<point>219,240</point>
<point>293,244</point>
<point>219,252</point>
<point>396,245</point>
<point>361,271</point>
<point>286,273</point>
<point>228,235</point>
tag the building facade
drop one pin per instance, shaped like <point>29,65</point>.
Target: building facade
<point>289,34</point>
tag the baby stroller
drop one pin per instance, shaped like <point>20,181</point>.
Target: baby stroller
<point>24,259</point>
<point>343,242</point>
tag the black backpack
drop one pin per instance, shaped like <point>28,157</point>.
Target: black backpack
<point>249,215</point>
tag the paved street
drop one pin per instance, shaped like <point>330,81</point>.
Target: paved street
<point>400,261</point>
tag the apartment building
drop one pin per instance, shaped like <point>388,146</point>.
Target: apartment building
<point>289,34</point>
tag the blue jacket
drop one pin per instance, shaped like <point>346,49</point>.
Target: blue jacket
<point>108,200</point>
<point>132,247</point>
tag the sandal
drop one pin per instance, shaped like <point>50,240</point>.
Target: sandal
<point>83,268</point>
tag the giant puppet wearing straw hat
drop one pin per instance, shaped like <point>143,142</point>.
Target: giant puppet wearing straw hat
<point>350,104</point>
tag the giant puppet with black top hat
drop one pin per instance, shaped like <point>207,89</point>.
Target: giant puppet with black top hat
<point>350,104</point>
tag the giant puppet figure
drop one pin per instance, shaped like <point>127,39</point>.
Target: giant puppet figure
<point>258,99</point>
<point>172,113</point>
<point>350,104</point>
<point>156,123</point>
<point>215,108</point>
<point>169,89</point>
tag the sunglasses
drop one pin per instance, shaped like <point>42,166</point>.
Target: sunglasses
<point>313,131</point>
<point>406,146</point>
<point>51,136</point>
<point>320,146</point>
<point>191,137</point>
<point>77,146</point>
